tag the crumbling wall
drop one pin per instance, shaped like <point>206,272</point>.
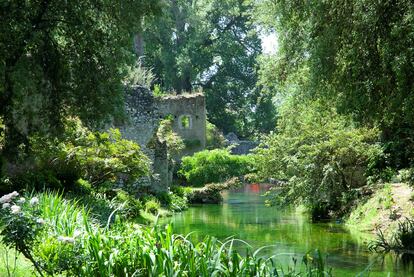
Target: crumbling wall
<point>141,126</point>
<point>189,109</point>
<point>143,116</point>
<point>144,112</point>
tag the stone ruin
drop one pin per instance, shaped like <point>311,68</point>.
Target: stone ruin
<point>239,147</point>
<point>145,111</point>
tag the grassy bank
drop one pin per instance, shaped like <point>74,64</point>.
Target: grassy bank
<point>211,193</point>
<point>383,210</point>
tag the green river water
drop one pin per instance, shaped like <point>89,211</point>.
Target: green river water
<point>288,233</point>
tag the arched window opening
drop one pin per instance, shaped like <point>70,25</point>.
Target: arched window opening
<point>185,122</point>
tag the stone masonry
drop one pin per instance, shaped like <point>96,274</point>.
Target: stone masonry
<point>189,108</point>
<point>144,114</point>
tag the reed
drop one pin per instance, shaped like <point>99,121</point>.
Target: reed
<point>73,243</point>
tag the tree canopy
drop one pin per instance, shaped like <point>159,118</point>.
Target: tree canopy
<point>60,58</point>
<point>359,53</point>
<point>213,45</point>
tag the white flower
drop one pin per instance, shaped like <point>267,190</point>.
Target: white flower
<point>15,209</point>
<point>8,197</point>
<point>34,201</point>
<point>6,205</point>
<point>5,199</point>
<point>77,233</point>
<point>66,239</point>
<point>21,200</point>
<point>40,221</point>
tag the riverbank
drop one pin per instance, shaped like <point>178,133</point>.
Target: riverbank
<point>285,232</point>
<point>383,210</point>
<point>212,193</point>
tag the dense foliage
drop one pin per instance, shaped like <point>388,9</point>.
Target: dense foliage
<point>165,133</point>
<point>100,158</point>
<point>59,237</point>
<point>213,166</point>
<point>214,137</point>
<point>319,156</point>
<point>60,58</point>
<point>212,44</point>
<point>356,52</point>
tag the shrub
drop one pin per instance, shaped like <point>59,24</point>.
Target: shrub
<point>180,190</point>
<point>138,75</point>
<point>407,176</point>
<point>152,206</point>
<point>178,203</point>
<point>132,205</point>
<point>165,133</point>
<point>21,224</point>
<point>212,166</point>
<point>100,158</point>
<point>387,199</point>
<point>158,92</point>
<point>214,137</point>
<point>319,155</point>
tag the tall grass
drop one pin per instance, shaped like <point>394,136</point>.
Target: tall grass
<point>402,241</point>
<point>73,244</point>
<point>12,263</point>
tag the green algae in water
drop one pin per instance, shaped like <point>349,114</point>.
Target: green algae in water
<point>286,232</point>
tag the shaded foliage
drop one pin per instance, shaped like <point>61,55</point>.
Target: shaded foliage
<point>60,58</point>
<point>100,158</point>
<point>214,137</point>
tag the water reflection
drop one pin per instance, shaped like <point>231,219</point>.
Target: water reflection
<point>244,216</point>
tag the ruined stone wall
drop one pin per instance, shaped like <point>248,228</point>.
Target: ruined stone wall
<point>240,147</point>
<point>142,123</point>
<point>144,115</point>
<point>191,110</point>
<point>243,147</point>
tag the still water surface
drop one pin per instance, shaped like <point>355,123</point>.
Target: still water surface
<point>290,234</point>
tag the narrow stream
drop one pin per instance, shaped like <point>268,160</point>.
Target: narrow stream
<point>288,233</point>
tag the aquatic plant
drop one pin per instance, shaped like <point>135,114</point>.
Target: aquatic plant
<point>402,241</point>
<point>68,241</point>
